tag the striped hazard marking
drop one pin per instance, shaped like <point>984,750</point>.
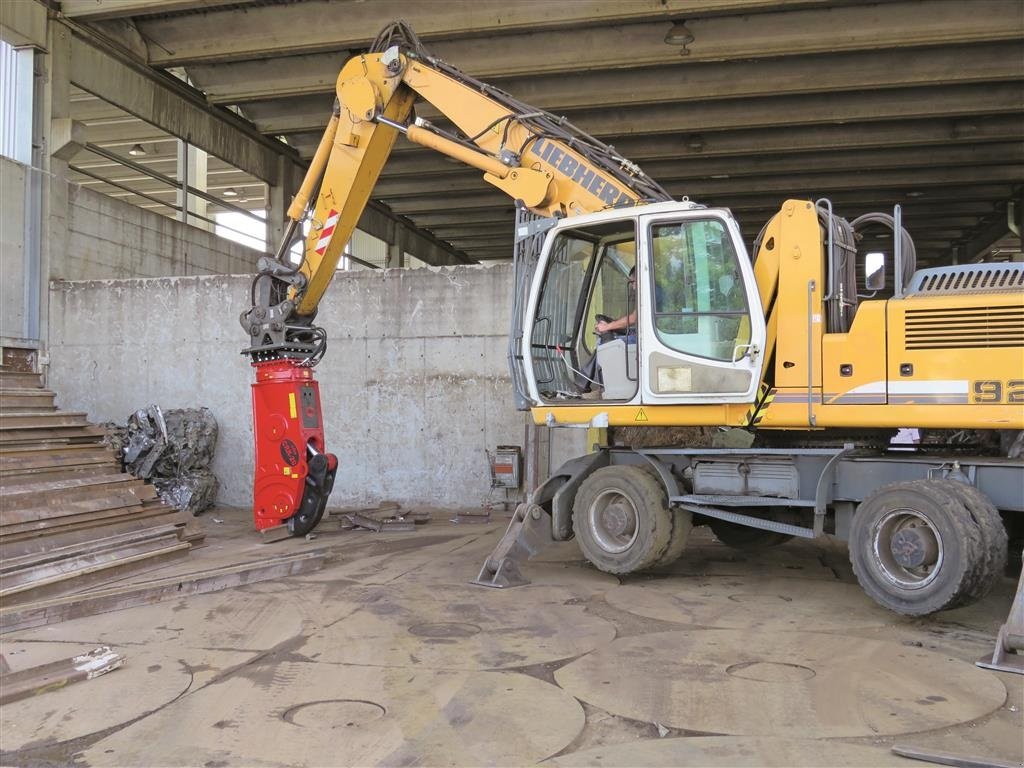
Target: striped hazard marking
<point>327,231</point>
<point>765,395</point>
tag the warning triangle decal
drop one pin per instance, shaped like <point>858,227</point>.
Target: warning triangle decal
<point>640,415</point>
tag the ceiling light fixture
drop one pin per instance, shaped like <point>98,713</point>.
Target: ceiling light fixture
<point>679,34</point>
<point>230,192</point>
<point>137,150</point>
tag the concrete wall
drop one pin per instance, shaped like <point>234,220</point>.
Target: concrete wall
<point>414,385</point>
<point>108,238</point>
<point>12,248</point>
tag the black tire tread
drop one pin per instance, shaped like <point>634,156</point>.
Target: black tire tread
<point>994,540</point>
<point>968,572</point>
<point>682,524</point>
<point>651,497</point>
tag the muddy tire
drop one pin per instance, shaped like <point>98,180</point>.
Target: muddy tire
<point>621,519</point>
<point>994,540</point>
<point>744,537</point>
<point>915,548</point>
<point>682,524</point>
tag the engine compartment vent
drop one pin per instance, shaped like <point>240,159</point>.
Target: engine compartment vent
<point>965,328</point>
<point>969,278</point>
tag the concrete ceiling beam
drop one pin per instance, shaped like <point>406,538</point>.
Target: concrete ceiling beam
<point>996,153</point>
<point>934,228</point>
<point>860,200</point>
<point>23,23</point>
<point>497,246</point>
<point>323,25</point>
<point>970,198</point>
<point>309,114</point>
<point>912,211</point>
<point>173,109</point>
<point>378,220</point>
<point>783,159</point>
<point>570,37</point>
<point>214,165</point>
<point>981,240</point>
<point>503,224</point>
<point>671,81</point>
<point>215,183</point>
<point>446,218</point>
<point>816,184</point>
<point>95,10</point>
<point>896,133</point>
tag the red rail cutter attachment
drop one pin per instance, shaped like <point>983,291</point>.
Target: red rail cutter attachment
<point>294,473</point>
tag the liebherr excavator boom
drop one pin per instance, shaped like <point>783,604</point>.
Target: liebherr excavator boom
<point>541,161</point>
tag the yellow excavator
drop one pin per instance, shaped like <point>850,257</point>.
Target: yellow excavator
<point>803,362</point>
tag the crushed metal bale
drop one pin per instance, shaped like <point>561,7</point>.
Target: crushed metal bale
<point>174,449</point>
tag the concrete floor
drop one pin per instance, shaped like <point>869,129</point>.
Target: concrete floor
<point>388,657</point>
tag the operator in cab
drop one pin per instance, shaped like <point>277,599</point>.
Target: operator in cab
<point>606,329</point>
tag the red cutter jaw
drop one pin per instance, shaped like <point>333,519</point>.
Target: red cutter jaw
<point>294,473</point>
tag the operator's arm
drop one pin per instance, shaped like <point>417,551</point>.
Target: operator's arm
<point>624,322</point>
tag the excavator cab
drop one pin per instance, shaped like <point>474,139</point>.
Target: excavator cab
<point>679,276</point>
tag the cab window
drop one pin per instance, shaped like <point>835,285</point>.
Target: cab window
<point>555,324</point>
<point>700,305</point>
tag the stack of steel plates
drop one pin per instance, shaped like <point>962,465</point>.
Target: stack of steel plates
<point>70,518</point>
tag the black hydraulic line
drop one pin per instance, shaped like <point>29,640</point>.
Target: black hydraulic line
<point>539,122</point>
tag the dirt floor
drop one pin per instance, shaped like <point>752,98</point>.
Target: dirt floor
<point>387,656</point>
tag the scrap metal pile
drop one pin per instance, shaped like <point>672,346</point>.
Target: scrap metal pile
<point>174,449</point>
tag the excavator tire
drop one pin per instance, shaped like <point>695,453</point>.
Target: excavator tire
<point>915,548</point>
<point>621,519</point>
<point>682,524</point>
<point>744,537</point>
<point>994,539</point>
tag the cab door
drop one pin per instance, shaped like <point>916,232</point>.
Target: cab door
<point>702,332</point>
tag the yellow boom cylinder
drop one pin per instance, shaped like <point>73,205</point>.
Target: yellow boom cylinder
<point>467,155</point>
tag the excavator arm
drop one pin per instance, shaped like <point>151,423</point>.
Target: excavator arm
<point>543,162</point>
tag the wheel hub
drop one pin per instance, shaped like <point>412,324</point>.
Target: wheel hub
<point>613,522</point>
<point>907,548</point>
<point>616,519</point>
<point>914,547</point>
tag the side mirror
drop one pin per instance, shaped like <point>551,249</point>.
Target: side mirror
<point>874,271</point>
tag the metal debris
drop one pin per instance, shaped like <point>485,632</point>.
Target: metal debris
<point>472,516</point>
<point>275,533</point>
<point>386,516</point>
<point>174,449</point>
<point>391,524</point>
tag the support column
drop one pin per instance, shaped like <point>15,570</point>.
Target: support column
<point>56,113</point>
<point>36,284</point>
<point>192,165</point>
<point>279,197</point>
<point>396,256</point>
